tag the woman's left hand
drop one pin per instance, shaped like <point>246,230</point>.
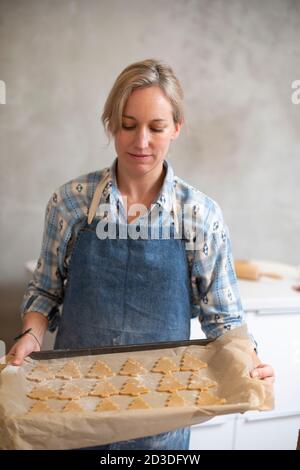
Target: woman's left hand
<point>263,372</point>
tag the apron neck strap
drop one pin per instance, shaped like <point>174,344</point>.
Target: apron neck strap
<point>96,198</point>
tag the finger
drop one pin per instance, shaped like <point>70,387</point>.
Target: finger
<point>262,371</point>
<point>269,380</point>
<point>19,357</point>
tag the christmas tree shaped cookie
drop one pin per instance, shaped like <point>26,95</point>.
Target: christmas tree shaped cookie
<point>42,393</point>
<point>99,370</point>
<point>104,389</point>
<point>138,404</point>
<point>40,407</point>
<point>190,362</point>
<point>73,406</point>
<point>133,387</point>
<point>165,365</point>
<point>70,391</point>
<point>107,405</point>
<point>169,383</point>
<point>175,400</point>
<point>132,367</point>
<point>200,383</point>
<point>40,373</point>
<point>69,371</point>
<point>205,398</point>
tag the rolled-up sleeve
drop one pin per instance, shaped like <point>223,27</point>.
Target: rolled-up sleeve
<point>214,279</point>
<point>44,293</point>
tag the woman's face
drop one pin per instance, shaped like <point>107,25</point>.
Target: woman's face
<point>147,130</point>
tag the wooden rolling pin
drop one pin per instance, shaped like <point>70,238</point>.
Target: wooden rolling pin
<point>247,270</point>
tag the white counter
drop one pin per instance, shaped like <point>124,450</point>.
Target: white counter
<point>272,310</point>
<point>272,295</point>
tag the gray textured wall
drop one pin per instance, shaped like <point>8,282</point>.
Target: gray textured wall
<point>236,60</point>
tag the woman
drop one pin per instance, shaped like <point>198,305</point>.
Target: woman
<point>118,283</point>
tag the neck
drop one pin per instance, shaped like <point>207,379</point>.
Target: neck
<point>140,189</point>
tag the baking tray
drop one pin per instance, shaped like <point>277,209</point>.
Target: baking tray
<point>59,353</point>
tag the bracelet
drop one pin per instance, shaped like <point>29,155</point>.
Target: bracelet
<point>30,332</point>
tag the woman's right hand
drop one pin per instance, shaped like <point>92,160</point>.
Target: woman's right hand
<point>22,348</point>
<point>30,342</point>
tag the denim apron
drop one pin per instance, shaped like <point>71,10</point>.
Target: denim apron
<point>127,291</point>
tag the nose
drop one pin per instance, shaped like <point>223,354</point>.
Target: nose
<point>142,138</point>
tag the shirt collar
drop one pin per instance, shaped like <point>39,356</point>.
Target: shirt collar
<point>164,198</point>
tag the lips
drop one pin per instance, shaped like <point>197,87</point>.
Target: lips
<point>139,155</point>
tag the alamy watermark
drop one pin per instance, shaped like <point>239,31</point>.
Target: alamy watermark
<point>156,224</point>
<point>2,92</point>
<point>295,96</point>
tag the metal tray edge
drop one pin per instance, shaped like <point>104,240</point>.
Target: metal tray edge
<point>60,353</point>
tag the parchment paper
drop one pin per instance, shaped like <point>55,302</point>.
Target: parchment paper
<point>229,361</point>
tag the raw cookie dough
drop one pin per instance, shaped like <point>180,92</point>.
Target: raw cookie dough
<point>104,389</point>
<point>69,371</point>
<point>205,398</point>
<point>40,373</point>
<point>40,407</point>
<point>99,370</point>
<point>107,405</point>
<point>133,387</point>
<point>42,393</point>
<point>169,383</point>
<point>175,400</point>
<point>196,382</point>
<point>190,362</point>
<point>132,367</point>
<point>73,406</point>
<point>165,365</point>
<point>70,391</point>
<point>138,404</point>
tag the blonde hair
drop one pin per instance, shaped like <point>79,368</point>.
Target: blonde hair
<point>141,74</point>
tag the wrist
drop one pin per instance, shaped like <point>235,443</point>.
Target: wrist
<point>29,331</point>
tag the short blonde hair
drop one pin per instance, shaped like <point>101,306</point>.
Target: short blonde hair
<point>141,74</point>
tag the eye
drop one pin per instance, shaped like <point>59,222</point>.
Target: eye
<point>130,128</point>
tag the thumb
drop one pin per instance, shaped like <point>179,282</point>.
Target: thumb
<point>18,357</point>
<point>257,372</point>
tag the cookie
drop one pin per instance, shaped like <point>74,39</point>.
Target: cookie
<point>138,404</point>
<point>70,391</point>
<point>169,383</point>
<point>133,387</point>
<point>69,371</point>
<point>40,373</point>
<point>175,400</point>
<point>190,362</point>
<point>99,370</point>
<point>73,406</point>
<point>132,367</point>
<point>165,365</point>
<point>42,393</point>
<point>200,383</point>
<point>104,389</point>
<point>40,407</point>
<point>205,398</point>
<point>107,405</point>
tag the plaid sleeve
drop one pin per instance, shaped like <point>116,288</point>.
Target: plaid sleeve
<point>44,293</point>
<point>214,279</point>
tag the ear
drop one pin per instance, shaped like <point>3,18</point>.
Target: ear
<point>177,129</point>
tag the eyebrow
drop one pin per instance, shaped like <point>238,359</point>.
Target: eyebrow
<point>132,117</point>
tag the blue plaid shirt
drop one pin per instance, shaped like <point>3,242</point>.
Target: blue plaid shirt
<point>214,292</point>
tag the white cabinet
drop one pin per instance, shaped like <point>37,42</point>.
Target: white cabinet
<point>274,430</point>
<point>217,433</point>
<point>273,315</point>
